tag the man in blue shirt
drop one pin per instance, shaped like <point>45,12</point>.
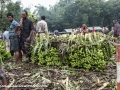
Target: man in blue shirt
<point>56,32</point>
<point>14,38</point>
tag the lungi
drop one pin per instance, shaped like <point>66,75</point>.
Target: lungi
<point>14,43</point>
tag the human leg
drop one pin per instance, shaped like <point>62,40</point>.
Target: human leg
<point>20,55</point>
<point>118,75</point>
<point>17,56</point>
<point>4,81</point>
<point>7,45</point>
<point>27,50</point>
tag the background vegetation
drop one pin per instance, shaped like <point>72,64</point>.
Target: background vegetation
<point>67,13</point>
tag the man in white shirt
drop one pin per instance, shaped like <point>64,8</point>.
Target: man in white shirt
<point>6,38</point>
<point>41,26</point>
<point>105,30</point>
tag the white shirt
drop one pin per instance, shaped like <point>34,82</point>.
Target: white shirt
<point>42,26</point>
<point>6,35</point>
<point>104,29</point>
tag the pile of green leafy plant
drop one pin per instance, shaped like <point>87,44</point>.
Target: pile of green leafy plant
<point>93,57</point>
<point>4,55</point>
<point>51,58</point>
<point>90,52</point>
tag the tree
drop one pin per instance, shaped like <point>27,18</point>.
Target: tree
<point>9,7</point>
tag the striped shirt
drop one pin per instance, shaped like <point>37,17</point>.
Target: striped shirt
<point>13,24</point>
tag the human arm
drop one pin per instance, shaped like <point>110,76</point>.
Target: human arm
<point>46,29</point>
<point>31,31</point>
<point>3,37</point>
<point>17,30</point>
<point>16,27</point>
<point>37,27</point>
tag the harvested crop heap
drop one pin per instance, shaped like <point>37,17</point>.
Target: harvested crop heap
<point>89,52</point>
<point>4,55</point>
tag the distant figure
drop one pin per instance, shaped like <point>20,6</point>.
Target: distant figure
<point>6,38</point>
<point>112,31</point>
<point>79,30</point>
<point>84,29</point>
<point>93,29</point>
<point>41,26</point>
<point>116,29</point>
<point>105,30</point>
<point>73,31</point>
<point>56,32</point>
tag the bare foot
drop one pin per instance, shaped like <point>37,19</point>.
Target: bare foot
<point>6,88</point>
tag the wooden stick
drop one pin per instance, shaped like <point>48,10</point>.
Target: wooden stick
<point>13,81</point>
<point>104,85</point>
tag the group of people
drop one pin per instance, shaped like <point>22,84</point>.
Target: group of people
<point>19,37</point>
<point>82,30</point>
<point>20,34</point>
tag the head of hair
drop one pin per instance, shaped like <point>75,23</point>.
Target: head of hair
<point>103,25</point>
<point>25,12</point>
<point>115,21</point>
<point>10,14</point>
<point>84,26</point>
<point>55,28</point>
<point>43,17</point>
<point>4,29</point>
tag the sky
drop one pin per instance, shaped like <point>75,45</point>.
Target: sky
<point>32,3</point>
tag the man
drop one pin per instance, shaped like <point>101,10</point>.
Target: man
<point>105,30</point>
<point>84,29</point>
<point>56,32</point>
<point>14,38</point>
<point>116,29</point>
<point>41,26</point>
<point>6,38</point>
<point>93,29</point>
<point>26,33</point>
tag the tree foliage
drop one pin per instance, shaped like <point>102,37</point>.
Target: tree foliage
<point>67,13</point>
<point>7,6</point>
<point>73,13</point>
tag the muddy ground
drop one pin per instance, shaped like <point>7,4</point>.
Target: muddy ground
<point>62,78</point>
